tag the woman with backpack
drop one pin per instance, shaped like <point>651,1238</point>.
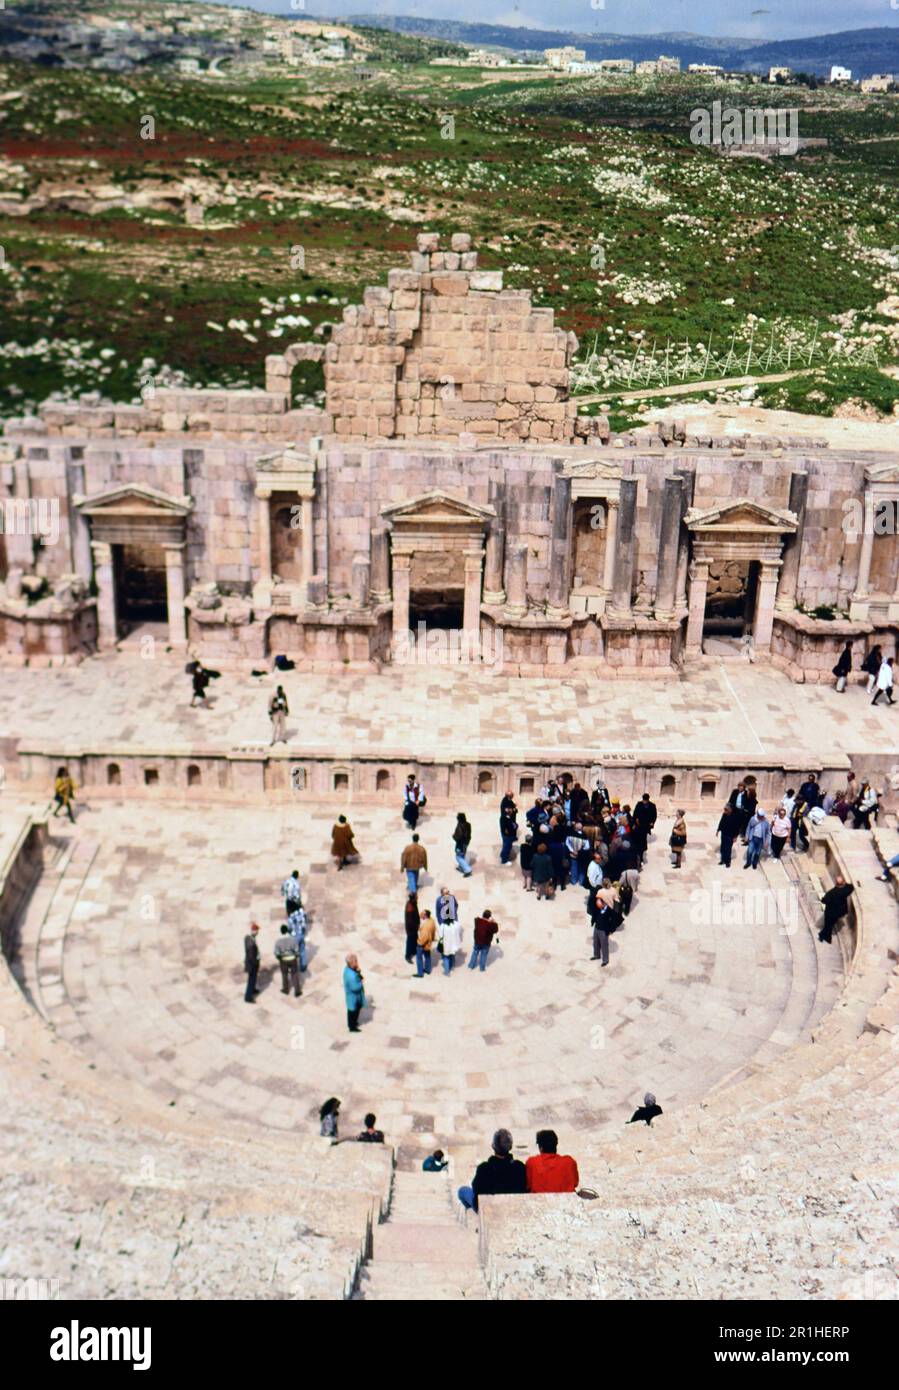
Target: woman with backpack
<point>678,840</point>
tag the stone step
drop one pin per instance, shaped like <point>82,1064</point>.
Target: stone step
<point>449,1244</point>
<point>389,1282</point>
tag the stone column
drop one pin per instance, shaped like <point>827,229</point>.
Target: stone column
<point>401,583</point>
<point>471,615</point>
<point>688,476</point>
<point>608,559</point>
<point>620,606</point>
<point>174,593</point>
<point>107,622</point>
<point>380,565</point>
<point>863,584</point>
<point>763,623</point>
<point>699,584</point>
<point>493,563</point>
<point>79,528</point>
<point>792,546</point>
<point>669,543</point>
<point>360,582</point>
<point>559,587</point>
<point>265,535</point>
<point>308,534</point>
<point>517,581</point>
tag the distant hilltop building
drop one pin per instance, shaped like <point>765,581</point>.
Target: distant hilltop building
<point>559,58</point>
<point>779,74</point>
<point>653,67</point>
<point>706,69</point>
<point>616,65</point>
<point>880,82</point>
<point>838,74</point>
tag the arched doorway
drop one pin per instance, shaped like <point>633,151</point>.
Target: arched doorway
<point>736,556</point>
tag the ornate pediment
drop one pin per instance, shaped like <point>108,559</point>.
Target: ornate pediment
<point>884,474</point>
<point>133,500</point>
<point>593,478</point>
<point>599,469</point>
<point>286,471</point>
<point>743,514</point>
<point>438,509</point>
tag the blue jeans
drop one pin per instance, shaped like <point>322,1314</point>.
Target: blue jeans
<point>479,956</point>
<point>466,1197</point>
<point>448,962</point>
<point>508,842</point>
<point>422,961</point>
<point>301,948</point>
<point>412,880</point>
<point>753,853</point>
<point>575,873</point>
<point>462,863</point>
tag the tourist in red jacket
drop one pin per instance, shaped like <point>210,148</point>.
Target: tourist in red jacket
<point>485,929</point>
<point>550,1171</point>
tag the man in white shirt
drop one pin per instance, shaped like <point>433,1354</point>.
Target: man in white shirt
<point>595,871</point>
<point>885,682</point>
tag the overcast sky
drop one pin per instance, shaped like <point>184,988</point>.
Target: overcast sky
<point>758,19</point>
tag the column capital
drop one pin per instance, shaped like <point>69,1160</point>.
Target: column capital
<point>102,551</point>
<point>263,493</point>
<point>401,561</point>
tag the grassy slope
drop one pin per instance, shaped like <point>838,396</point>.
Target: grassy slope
<point>711,241</point>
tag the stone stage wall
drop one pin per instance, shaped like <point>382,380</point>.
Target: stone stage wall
<point>449,437</point>
<point>254,774</point>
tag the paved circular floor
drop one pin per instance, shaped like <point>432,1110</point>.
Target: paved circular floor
<point>151,906</point>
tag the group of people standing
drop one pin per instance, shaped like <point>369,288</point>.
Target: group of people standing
<point>877,667</point>
<point>290,946</point>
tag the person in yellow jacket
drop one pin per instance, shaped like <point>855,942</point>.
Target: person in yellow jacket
<point>64,793</point>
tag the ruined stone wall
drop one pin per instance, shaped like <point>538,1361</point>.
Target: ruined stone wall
<point>444,350</point>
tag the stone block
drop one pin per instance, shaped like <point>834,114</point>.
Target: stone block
<point>450,284</point>
<point>428,242</point>
<point>487,280</point>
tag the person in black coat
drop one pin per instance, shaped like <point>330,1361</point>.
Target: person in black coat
<point>508,829</point>
<point>645,814</point>
<point>251,962</point>
<point>526,860</point>
<point>729,827</point>
<point>836,905</point>
<point>647,1111</point>
<point>500,1173</point>
<point>810,792</point>
<point>412,923</point>
<point>843,667</point>
<point>604,920</point>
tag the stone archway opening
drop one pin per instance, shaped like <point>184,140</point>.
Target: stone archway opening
<point>736,557</point>
<point>730,600</point>
<point>437,564</point>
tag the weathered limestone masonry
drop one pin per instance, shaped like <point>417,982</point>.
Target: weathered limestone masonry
<point>448,488</point>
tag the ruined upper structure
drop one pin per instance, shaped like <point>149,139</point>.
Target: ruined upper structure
<point>442,351</point>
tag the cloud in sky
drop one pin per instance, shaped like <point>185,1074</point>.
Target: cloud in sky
<point>713,17</point>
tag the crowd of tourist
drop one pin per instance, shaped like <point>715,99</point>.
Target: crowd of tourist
<point>568,838</point>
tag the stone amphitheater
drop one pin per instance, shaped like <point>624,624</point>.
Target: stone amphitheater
<point>668,607</point>
<point>153,1128</point>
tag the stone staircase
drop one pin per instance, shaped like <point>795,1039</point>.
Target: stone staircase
<point>782,1183</point>
<point>422,1251</point>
